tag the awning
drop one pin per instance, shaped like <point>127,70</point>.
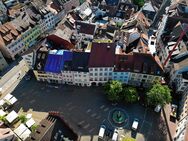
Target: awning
<point>11,116</point>
<point>30,122</point>
<point>12,100</point>
<point>2,113</point>
<point>8,97</point>
<point>20,129</point>
<point>25,134</point>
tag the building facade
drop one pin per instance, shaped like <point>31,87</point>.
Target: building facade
<point>129,71</point>
<point>11,78</point>
<point>3,13</point>
<point>18,35</point>
<point>3,62</point>
<point>101,62</point>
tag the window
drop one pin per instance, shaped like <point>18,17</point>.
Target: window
<point>105,74</point>
<point>100,74</point>
<point>110,69</point>
<point>145,76</point>
<point>110,74</point>
<point>152,42</point>
<point>96,74</point>
<point>91,74</point>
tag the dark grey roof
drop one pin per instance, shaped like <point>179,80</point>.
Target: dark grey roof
<point>80,61</point>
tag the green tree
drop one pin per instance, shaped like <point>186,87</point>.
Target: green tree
<point>140,3</point>
<point>129,94</point>
<point>2,118</point>
<point>34,127</point>
<point>23,118</point>
<point>159,95</point>
<point>113,90</point>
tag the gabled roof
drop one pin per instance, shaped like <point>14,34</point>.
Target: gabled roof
<point>8,33</point>
<point>55,60</point>
<point>80,61</point>
<point>102,55</point>
<point>85,28</point>
<point>139,63</point>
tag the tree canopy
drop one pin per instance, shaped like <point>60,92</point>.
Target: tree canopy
<point>130,94</point>
<point>140,3</point>
<point>113,90</point>
<point>159,95</point>
<point>116,91</point>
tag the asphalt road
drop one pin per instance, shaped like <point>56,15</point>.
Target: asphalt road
<point>85,109</point>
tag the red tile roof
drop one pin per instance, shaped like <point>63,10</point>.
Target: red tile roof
<point>102,55</point>
<point>138,62</point>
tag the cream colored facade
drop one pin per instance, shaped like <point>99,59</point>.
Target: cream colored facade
<point>11,79</point>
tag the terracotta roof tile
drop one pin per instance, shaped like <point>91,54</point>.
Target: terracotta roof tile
<point>102,55</point>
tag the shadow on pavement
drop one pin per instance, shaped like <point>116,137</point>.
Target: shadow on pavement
<point>133,134</point>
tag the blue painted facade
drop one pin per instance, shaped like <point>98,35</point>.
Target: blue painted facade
<point>121,76</point>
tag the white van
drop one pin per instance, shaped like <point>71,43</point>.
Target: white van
<point>102,131</point>
<point>115,135</point>
<point>135,124</point>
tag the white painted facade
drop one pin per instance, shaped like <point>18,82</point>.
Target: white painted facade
<point>100,75</point>
<point>67,77</point>
<point>81,78</point>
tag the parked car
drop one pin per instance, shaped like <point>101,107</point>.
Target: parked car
<point>115,135</point>
<point>102,131</point>
<point>135,124</point>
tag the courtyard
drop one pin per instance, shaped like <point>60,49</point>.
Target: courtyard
<point>86,108</point>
